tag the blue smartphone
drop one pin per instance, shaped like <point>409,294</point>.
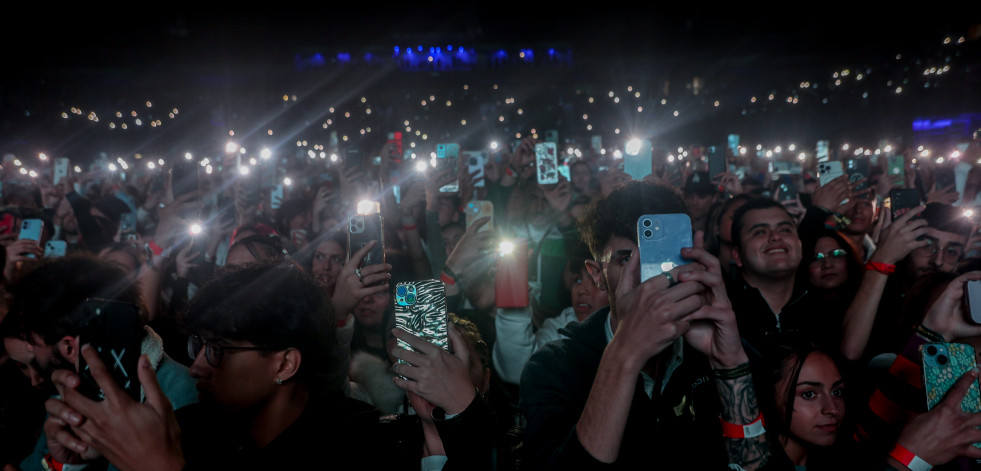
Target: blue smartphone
<point>660,238</point>
<point>637,160</point>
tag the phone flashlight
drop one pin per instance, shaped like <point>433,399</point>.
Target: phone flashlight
<point>421,166</point>
<point>505,248</point>
<point>368,207</point>
<point>195,228</point>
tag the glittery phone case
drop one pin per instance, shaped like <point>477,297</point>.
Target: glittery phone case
<point>943,365</point>
<point>420,308</point>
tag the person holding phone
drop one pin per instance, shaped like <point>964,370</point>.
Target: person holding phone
<point>44,312</point>
<point>604,396</point>
<point>262,339</point>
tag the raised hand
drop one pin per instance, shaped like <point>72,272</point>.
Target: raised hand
<point>350,288</point>
<point>440,377</point>
<point>130,434</point>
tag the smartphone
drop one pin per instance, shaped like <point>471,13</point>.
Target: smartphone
<point>564,171</point>
<point>363,229</point>
<point>637,160</point>
<point>716,161</point>
<point>943,365</point>
<point>353,159</point>
<point>396,139</point>
<point>903,200</point>
<point>6,223</point>
<point>420,309</point>
<point>55,248</point>
<point>857,169</point>
<point>477,209</point>
<point>447,157</point>
<point>788,192</point>
<point>943,177</point>
<point>660,239</point>
<point>276,197</point>
<point>115,330</point>
<point>547,163</point>
<point>31,229</point>
<point>61,165</point>
<point>896,168</point>
<point>511,279</point>
<point>183,178</point>
<point>828,171</point>
<point>475,163</point>
<point>973,296</point>
<point>552,135</point>
<point>127,226</point>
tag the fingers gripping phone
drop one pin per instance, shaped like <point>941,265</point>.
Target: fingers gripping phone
<point>943,364</point>
<point>902,201</point>
<point>660,238</point>
<point>363,229</point>
<point>115,330</point>
<point>420,309</point>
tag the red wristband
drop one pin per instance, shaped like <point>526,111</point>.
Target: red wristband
<point>409,228</point>
<point>909,459</point>
<point>754,429</point>
<point>884,268</point>
<point>48,463</point>
<point>447,279</point>
<point>156,249</point>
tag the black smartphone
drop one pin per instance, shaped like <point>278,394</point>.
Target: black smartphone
<point>184,178</point>
<point>902,201</point>
<point>788,191</point>
<point>857,169</point>
<point>353,159</point>
<point>363,229</point>
<point>716,161</point>
<point>943,177</point>
<point>973,296</point>
<point>115,330</point>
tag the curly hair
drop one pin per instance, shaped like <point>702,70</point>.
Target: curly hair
<point>617,213</point>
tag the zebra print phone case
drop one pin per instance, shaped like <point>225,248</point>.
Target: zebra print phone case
<point>420,308</point>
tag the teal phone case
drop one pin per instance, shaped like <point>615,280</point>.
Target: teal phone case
<point>943,365</point>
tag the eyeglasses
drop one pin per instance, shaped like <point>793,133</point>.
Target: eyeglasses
<point>836,254</point>
<point>213,351</point>
<point>951,253</point>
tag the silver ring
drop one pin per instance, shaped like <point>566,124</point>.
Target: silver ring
<point>357,271</point>
<point>671,280</point>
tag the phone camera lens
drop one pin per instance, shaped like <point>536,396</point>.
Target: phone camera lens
<point>931,350</point>
<point>648,234</point>
<point>942,360</point>
<point>647,223</point>
<point>410,299</point>
<point>401,291</point>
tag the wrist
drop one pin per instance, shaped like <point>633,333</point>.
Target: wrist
<point>731,361</point>
<point>908,459</point>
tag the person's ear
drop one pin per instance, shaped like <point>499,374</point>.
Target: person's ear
<point>735,257</point>
<point>289,364</point>
<point>595,270</point>
<point>68,347</point>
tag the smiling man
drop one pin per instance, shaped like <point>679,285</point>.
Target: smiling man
<point>766,297</point>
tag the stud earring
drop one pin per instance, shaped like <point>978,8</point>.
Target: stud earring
<point>279,381</point>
